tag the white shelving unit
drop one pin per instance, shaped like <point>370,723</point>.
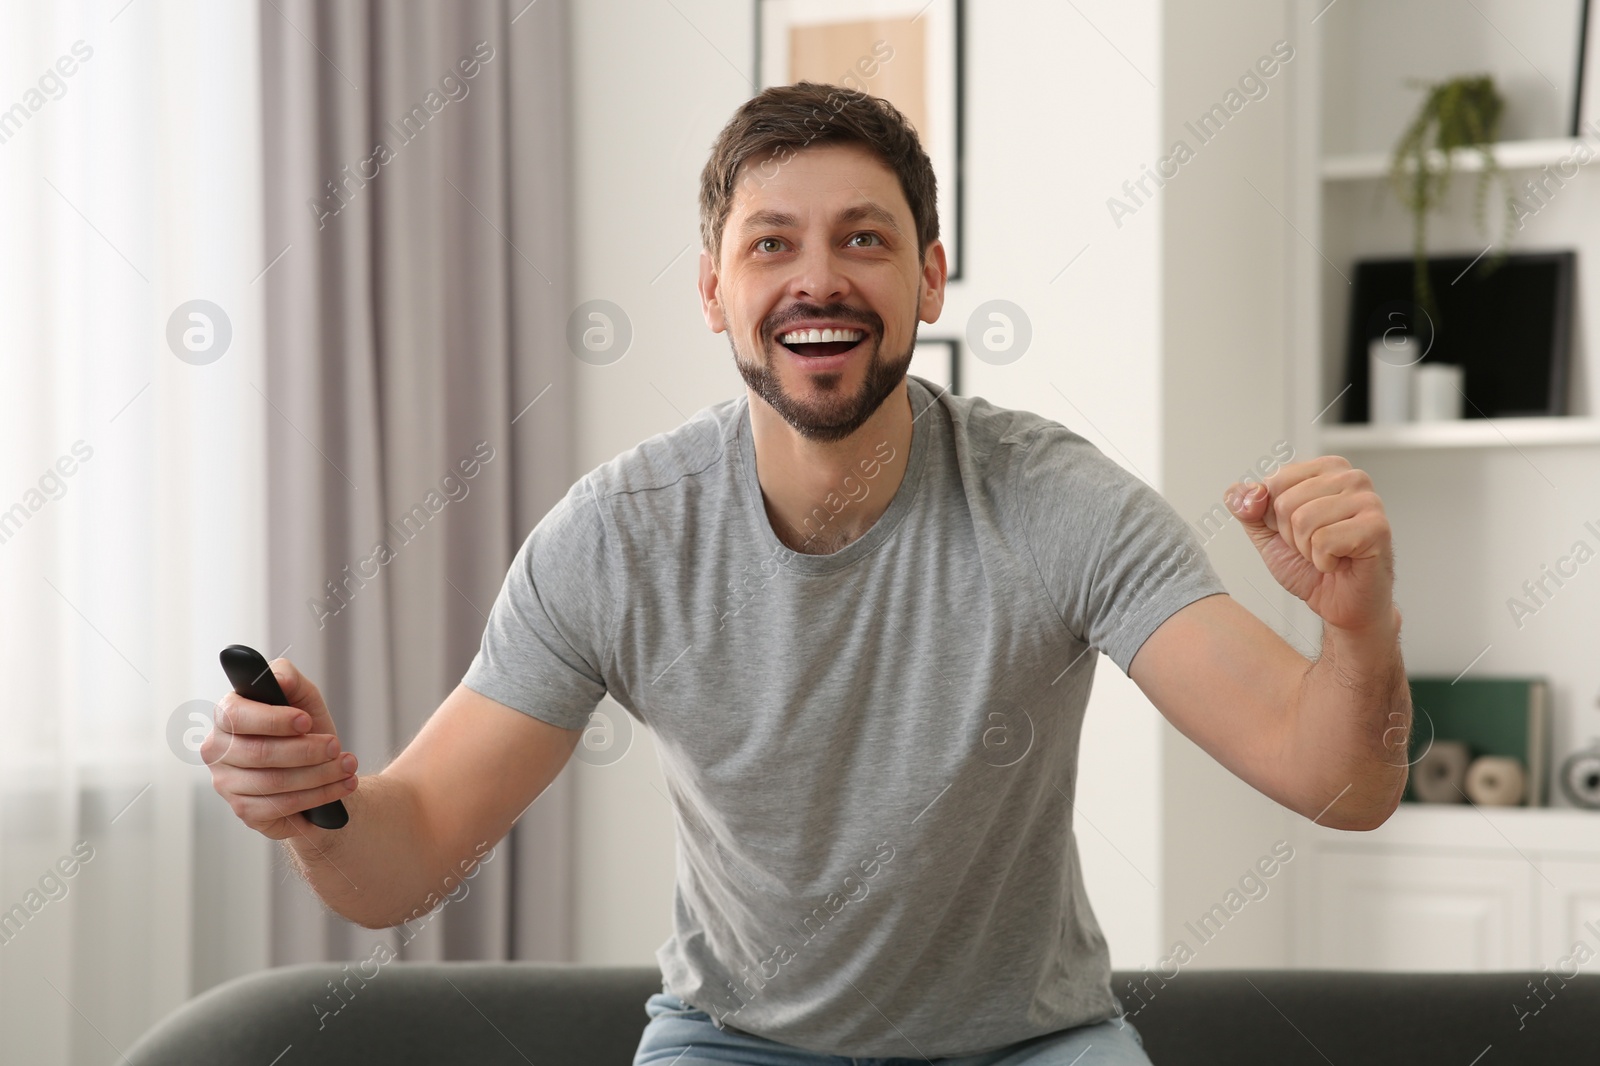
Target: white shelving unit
<point>1467,433</point>
<point>1511,155</point>
<point>1351,101</point>
<point>1478,507</point>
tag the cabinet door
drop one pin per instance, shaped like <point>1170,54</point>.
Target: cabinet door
<point>1569,914</point>
<point>1419,912</point>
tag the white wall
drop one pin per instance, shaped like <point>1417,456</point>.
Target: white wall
<point>1226,376</point>
<point>1058,116</point>
<point>650,94</point>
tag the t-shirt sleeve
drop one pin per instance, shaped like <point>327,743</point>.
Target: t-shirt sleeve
<point>548,633</point>
<point>1116,559</point>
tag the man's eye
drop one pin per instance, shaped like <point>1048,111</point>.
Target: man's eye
<point>766,240</point>
<point>874,236</point>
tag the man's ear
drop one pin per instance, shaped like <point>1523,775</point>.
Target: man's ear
<point>930,301</point>
<point>710,294</point>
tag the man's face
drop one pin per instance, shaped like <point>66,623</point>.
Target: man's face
<point>827,243</point>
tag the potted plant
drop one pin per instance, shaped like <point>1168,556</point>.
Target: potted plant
<point>1463,112</point>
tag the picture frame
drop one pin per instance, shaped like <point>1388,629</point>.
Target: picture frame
<point>1510,330</point>
<point>857,44</point>
<point>1586,105</point>
<point>938,360</point>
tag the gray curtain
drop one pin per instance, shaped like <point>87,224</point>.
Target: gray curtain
<point>416,190</point>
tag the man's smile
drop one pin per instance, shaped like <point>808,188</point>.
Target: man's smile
<point>823,349</point>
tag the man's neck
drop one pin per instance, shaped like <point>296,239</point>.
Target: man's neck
<point>821,495</point>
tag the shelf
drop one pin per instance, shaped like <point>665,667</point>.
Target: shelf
<point>1465,433</point>
<point>1512,155</point>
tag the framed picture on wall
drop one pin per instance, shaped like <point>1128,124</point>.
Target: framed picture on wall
<point>1586,109</point>
<point>907,51</point>
<point>938,360</point>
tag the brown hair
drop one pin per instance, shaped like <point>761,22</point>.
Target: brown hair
<point>783,119</point>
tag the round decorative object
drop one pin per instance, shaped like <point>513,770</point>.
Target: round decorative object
<point>1580,777</point>
<point>1496,781</point>
<point>1440,775</point>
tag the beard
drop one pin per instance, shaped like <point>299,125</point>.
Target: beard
<point>835,415</point>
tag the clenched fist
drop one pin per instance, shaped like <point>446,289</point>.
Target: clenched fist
<point>1323,534</point>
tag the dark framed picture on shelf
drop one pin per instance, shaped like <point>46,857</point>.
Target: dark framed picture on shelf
<point>909,52</point>
<point>1586,108</point>
<point>938,359</point>
<point>1509,331</point>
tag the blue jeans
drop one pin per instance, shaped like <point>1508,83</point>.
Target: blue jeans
<point>681,1035</point>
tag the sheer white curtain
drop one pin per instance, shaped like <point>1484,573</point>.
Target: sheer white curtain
<point>132,520</point>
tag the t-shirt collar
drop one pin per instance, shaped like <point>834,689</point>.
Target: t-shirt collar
<point>922,396</point>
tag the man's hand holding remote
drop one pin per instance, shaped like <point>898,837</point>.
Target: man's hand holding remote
<point>271,763</point>
<point>458,786</point>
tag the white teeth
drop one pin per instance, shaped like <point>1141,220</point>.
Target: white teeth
<point>820,336</point>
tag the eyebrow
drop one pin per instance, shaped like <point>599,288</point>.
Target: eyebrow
<point>856,213</point>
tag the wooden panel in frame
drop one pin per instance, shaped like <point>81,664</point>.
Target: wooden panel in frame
<point>909,52</point>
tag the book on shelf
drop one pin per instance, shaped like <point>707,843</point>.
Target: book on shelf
<point>1492,716</point>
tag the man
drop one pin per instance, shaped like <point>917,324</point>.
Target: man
<point>857,614</point>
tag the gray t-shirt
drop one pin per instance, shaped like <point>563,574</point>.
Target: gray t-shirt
<point>872,753</point>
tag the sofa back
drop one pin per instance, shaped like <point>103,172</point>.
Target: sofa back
<point>555,1014</point>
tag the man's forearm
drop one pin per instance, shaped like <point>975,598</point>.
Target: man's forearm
<point>378,869</point>
<point>1351,725</point>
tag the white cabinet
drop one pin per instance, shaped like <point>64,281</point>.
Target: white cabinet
<point>1569,914</point>
<point>1453,888</point>
<point>1382,911</point>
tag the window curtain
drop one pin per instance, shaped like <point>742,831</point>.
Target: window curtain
<point>215,398</point>
<point>132,523</point>
<point>418,383</point>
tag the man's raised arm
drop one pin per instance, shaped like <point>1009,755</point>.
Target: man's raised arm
<point>1328,738</point>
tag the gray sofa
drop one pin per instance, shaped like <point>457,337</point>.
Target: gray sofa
<point>552,1014</point>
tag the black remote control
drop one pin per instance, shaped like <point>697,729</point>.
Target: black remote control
<point>253,679</point>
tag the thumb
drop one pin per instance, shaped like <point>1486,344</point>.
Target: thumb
<point>1252,506</point>
<point>304,695</point>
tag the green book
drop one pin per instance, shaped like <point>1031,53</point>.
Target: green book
<point>1493,716</point>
